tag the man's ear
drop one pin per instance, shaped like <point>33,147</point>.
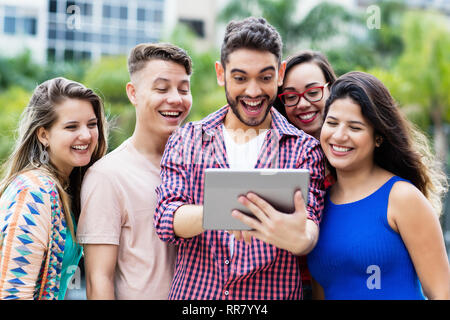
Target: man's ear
<point>131,93</point>
<point>220,73</point>
<point>42,136</point>
<point>281,72</point>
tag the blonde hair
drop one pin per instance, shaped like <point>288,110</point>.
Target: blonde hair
<point>41,112</point>
<point>432,170</point>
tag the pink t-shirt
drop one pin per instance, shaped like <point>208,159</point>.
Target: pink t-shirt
<point>118,201</point>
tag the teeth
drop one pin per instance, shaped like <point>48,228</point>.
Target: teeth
<point>340,149</point>
<point>252,104</point>
<point>172,114</point>
<point>307,116</point>
<point>80,147</point>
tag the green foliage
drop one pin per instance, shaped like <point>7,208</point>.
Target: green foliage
<point>19,71</point>
<point>108,78</point>
<point>70,70</point>
<point>387,41</point>
<point>207,95</point>
<point>323,22</point>
<point>22,71</point>
<point>421,76</point>
<point>12,102</point>
<point>319,24</point>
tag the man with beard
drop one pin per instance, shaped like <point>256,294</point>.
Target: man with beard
<point>211,264</point>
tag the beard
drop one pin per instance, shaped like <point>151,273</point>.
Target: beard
<point>249,122</point>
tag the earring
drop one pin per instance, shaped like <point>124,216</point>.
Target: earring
<point>378,141</point>
<point>44,157</point>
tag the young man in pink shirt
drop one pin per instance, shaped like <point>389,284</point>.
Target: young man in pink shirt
<point>124,258</point>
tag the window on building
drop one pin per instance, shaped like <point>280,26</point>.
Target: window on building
<point>68,5</point>
<point>51,33</point>
<point>106,38</point>
<point>60,31</point>
<point>198,26</point>
<point>123,13</point>
<point>69,54</point>
<point>86,55</point>
<point>53,6</point>
<point>9,26</point>
<point>158,16</point>
<point>141,14</point>
<point>29,26</point>
<point>70,35</point>
<point>78,35</point>
<point>87,9</point>
<point>87,37</point>
<point>107,11</point>
<point>51,54</point>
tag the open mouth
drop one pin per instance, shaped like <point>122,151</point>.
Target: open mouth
<point>170,114</point>
<point>252,107</point>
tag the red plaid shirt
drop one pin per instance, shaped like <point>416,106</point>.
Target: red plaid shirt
<point>204,268</point>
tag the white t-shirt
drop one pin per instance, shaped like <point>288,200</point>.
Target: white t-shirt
<point>241,154</point>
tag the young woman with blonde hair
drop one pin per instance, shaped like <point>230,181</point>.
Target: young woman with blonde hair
<point>61,134</point>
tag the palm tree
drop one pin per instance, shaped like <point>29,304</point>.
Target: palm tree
<point>318,25</point>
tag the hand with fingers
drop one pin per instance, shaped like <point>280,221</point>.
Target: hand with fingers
<point>293,232</point>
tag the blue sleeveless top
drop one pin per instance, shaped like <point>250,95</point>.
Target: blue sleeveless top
<point>72,255</point>
<point>359,256</point>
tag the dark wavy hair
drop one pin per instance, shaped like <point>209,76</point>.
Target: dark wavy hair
<point>251,33</point>
<point>306,56</point>
<point>404,150</point>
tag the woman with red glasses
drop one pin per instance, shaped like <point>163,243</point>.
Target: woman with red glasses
<point>301,99</point>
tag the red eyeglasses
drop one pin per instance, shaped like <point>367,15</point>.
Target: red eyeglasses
<point>292,98</point>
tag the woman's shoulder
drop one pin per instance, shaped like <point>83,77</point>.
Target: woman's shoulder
<point>407,201</point>
<point>34,180</point>
<point>404,191</point>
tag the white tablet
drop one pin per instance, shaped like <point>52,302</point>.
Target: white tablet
<point>224,186</point>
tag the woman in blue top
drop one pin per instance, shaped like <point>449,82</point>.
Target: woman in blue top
<point>380,236</point>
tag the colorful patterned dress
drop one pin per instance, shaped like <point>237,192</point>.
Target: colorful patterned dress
<point>32,238</point>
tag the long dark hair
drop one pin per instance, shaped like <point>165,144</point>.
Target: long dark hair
<point>404,150</point>
<point>306,56</point>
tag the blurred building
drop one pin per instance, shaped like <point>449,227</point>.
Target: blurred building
<point>200,17</point>
<point>82,29</point>
<point>23,25</point>
<point>90,29</point>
